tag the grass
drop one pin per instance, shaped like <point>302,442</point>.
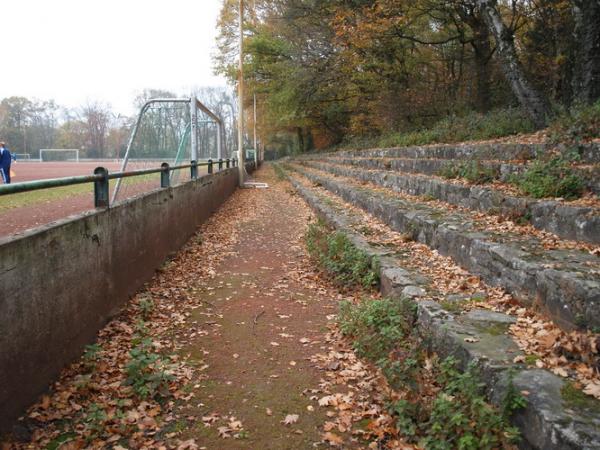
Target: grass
<point>579,124</point>
<point>336,254</point>
<point>441,406</point>
<point>472,171</point>
<point>25,199</point>
<point>467,127</point>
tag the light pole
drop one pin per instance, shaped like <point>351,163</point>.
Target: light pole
<point>241,155</point>
<point>255,146</point>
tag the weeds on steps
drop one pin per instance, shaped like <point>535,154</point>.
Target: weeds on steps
<point>336,254</point>
<point>436,405</point>
<point>552,177</point>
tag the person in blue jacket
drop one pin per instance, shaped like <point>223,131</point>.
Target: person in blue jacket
<point>5,160</point>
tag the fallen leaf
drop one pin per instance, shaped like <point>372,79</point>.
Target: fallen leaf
<point>290,419</point>
<point>333,438</point>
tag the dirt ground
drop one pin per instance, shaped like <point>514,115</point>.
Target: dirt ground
<point>264,322</point>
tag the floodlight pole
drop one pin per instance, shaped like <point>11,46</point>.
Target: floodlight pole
<point>255,146</point>
<point>241,155</point>
<point>194,128</point>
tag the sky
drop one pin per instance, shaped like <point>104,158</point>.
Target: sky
<point>78,51</point>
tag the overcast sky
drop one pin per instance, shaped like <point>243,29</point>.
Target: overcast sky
<point>74,51</point>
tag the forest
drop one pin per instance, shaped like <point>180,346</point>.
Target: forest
<point>394,72</point>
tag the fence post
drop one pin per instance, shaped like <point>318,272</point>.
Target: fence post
<point>101,197</point>
<point>220,164</point>
<point>194,169</point>
<point>210,166</point>
<point>164,175</point>
<point>227,163</point>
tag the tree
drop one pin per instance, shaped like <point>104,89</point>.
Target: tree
<point>531,100</point>
<point>96,118</point>
<point>586,80</point>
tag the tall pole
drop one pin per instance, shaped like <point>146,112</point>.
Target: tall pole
<point>241,98</point>
<point>194,128</point>
<point>255,146</point>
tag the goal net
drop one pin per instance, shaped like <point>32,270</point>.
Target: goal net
<point>59,154</point>
<point>22,156</point>
<point>163,133</point>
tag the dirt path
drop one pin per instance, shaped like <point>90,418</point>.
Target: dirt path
<point>264,320</point>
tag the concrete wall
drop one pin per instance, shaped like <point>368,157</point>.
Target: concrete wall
<point>59,284</point>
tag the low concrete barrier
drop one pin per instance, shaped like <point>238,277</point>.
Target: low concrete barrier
<point>59,284</point>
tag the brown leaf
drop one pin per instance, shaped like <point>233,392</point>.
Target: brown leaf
<point>333,439</point>
<point>290,419</point>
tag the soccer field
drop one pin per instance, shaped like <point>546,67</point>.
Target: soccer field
<point>25,210</point>
<point>29,171</point>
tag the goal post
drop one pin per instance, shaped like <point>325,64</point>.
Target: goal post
<point>22,156</point>
<point>59,154</point>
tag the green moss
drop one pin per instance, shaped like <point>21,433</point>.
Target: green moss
<point>574,398</point>
<point>531,359</point>
<point>496,329</point>
<point>453,306</point>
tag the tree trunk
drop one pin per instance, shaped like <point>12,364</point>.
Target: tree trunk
<point>586,79</point>
<point>532,101</point>
<point>482,52</point>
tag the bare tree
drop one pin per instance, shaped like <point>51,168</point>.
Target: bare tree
<point>96,117</point>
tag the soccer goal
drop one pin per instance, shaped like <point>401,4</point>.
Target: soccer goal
<point>59,154</point>
<point>22,156</point>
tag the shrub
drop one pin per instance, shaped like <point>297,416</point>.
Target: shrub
<point>580,124</point>
<point>550,178</point>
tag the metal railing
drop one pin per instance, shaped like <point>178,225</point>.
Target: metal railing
<point>102,177</point>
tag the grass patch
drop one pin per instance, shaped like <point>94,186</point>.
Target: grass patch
<point>24,199</point>
<point>472,171</point>
<point>441,407</point>
<point>553,177</point>
<point>279,172</point>
<point>336,254</point>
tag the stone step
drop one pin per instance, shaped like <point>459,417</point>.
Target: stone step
<point>569,222</point>
<point>564,283</point>
<point>549,421</point>
<point>590,174</point>
<point>587,153</point>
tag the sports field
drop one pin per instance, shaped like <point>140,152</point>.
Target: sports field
<point>28,171</point>
<point>20,212</point>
